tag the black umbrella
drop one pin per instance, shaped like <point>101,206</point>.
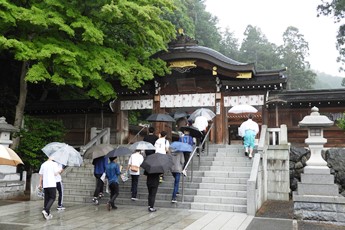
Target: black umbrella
<point>194,132</point>
<point>157,163</point>
<point>156,117</point>
<point>119,151</point>
<point>180,114</point>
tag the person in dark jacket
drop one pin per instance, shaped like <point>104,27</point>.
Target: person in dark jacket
<point>99,168</point>
<point>112,172</point>
<point>151,138</point>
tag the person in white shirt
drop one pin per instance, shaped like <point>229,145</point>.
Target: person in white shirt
<point>248,130</point>
<point>49,169</point>
<point>201,123</point>
<point>136,159</point>
<point>59,187</point>
<point>162,144</point>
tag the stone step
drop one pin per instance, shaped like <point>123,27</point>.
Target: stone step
<point>228,187</point>
<point>221,193</point>
<point>219,207</point>
<point>219,183</point>
<point>221,200</point>
<point>225,168</point>
<point>227,174</point>
<point>242,181</point>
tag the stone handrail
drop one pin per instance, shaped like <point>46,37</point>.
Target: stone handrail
<point>257,189</point>
<point>256,185</point>
<point>102,137</point>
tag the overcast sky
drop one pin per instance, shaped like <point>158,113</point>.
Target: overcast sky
<point>274,16</point>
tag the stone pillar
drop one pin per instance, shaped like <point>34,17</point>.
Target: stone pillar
<point>317,197</point>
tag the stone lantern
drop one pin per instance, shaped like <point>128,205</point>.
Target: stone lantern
<point>5,132</point>
<point>315,123</point>
<point>317,196</point>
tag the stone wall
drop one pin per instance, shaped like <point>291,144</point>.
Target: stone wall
<point>335,159</point>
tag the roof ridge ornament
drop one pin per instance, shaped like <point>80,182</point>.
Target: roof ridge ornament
<point>182,40</point>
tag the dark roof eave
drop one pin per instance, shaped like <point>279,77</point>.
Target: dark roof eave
<point>205,54</point>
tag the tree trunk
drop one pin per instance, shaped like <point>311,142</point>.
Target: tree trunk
<point>18,120</point>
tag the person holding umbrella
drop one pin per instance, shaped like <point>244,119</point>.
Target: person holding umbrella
<point>112,172</point>
<point>248,131</point>
<point>154,165</point>
<point>134,163</point>
<point>100,164</point>
<point>59,187</point>
<point>48,170</point>
<point>201,123</point>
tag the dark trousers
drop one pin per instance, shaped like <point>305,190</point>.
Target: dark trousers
<point>59,188</point>
<point>114,192</point>
<point>200,140</point>
<point>186,158</point>
<point>49,198</point>
<point>134,187</point>
<point>152,187</point>
<point>99,185</point>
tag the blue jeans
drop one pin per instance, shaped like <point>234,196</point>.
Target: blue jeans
<point>176,184</point>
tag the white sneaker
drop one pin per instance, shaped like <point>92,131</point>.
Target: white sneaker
<point>134,199</point>
<point>61,208</point>
<point>50,216</point>
<point>45,214</point>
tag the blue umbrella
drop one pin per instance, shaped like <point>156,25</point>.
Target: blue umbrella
<point>178,146</point>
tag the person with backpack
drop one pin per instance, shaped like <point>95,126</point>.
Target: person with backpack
<point>186,138</point>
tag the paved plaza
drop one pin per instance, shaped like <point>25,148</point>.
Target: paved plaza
<point>27,215</point>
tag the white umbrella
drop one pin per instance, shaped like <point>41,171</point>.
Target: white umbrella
<point>243,109</point>
<point>63,154</point>
<point>142,145</point>
<point>209,114</point>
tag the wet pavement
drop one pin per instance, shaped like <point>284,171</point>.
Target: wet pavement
<point>273,215</point>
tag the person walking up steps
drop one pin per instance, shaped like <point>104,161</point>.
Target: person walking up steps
<point>134,163</point>
<point>176,170</point>
<point>151,138</point>
<point>248,130</point>
<point>112,172</point>
<point>100,164</point>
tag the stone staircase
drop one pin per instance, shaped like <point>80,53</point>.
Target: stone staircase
<point>218,184</point>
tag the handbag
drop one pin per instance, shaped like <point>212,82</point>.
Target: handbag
<point>124,177</point>
<point>134,168</point>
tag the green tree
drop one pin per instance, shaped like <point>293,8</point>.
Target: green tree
<point>293,53</point>
<point>206,30</point>
<point>255,48</point>
<point>229,45</point>
<point>34,136</point>
<point>84,44</point>
<point>336,9</point>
